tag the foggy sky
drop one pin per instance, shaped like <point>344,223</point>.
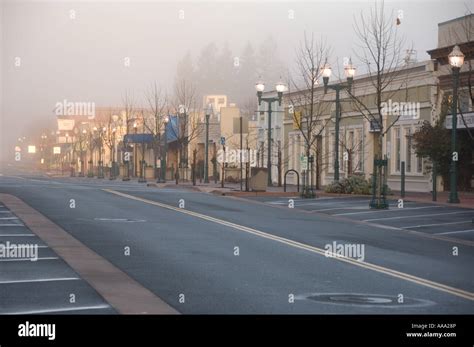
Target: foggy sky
<point>82,59</point>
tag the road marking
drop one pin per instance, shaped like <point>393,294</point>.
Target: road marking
<point>119,220</point>
<point>65,309</point>
<point>455,232</point>
<point>357,221</point>
<point>9,235</point>
<point>418,280</point>
<point>118,289</point>
<point>12,225</point>
<point>31,259</point>
<point>397,209</point>
<point>8,218</point>
<point>419,215</point>
<point>434,225</point>
<point>361,207</point>
<point>41,280</point>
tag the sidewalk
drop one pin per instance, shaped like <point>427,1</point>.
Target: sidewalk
<point>233,189</point>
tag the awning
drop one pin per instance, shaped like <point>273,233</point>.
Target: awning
<point>138,138</point>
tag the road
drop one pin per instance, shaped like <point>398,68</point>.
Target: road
<point>201,253</point>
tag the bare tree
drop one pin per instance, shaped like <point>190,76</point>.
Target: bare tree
<point>157,101</point>
<point>305,100</point>
<point>187,126</point>
<point>127,117</point>
<point>379,51</point>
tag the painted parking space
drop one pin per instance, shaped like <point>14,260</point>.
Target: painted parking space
<point>452,221</point>
<point>35,280</point>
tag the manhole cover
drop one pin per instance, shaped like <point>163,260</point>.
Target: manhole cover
<point>365,299</point>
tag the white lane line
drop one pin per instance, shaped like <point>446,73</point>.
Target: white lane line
<point>30,259</point>
<point>9,235</point>
<point>41,280</point>
<point>8,218</point>
<point>65,309</point>
<point>12,225</point>
<point>396,209</point>
<point>5,211</point>
<point>455,232</point>
<point>419,215</point>
<point>361,207</point>
<point>435,225</point>
<point>370,266</point>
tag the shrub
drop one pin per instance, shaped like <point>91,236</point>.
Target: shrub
<point>355,184</point>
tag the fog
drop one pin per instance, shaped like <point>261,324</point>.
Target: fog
<point>78,51</point>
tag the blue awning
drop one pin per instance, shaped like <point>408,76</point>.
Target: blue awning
<point>138,138</point>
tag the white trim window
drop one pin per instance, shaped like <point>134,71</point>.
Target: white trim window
<point>397,142</point>
<point>403,151</point>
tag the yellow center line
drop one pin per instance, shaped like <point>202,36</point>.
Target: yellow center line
<point>435,285</point>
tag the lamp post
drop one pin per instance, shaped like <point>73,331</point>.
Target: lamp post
<point>90,162</point>
<point>206,155</point>
<point>135,171</point>
<point>100,173</point>
<point>166,119</point>
<point>125,152</point>
<point>44,137</point>
<point>83,134</point>
<point>113,174</point>
<point>67,142</point>
<point>280,88</point>
<point>349,71</point>
<point>142,178</point>
<point>456,60</point>
<point>112,168</point>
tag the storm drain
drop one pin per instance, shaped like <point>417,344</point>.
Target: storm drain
<point>368,300</point>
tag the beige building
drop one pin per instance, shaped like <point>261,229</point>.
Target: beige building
<point>412,96</point>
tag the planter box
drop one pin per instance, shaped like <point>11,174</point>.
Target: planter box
<point>149,173</point>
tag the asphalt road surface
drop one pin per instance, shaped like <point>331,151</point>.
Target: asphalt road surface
<point>202,253</point>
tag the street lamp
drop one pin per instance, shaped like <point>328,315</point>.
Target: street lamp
<point>166,119</point>
<point>206,157</point>
<point>81,141</point>
<point>349,71</point>
<point>112,168</point>
<point>135,129</point>
<point>142,178</point>
<point>456,60</point>
<point>100,131</point>
<point>280,88</point>
<point>113,174</point>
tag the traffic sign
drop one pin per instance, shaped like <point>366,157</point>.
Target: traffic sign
<point>304,162</point>
<point>222,140</point>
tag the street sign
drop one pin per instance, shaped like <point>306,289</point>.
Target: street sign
<point>222,140</point>
<point>304,162</point>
